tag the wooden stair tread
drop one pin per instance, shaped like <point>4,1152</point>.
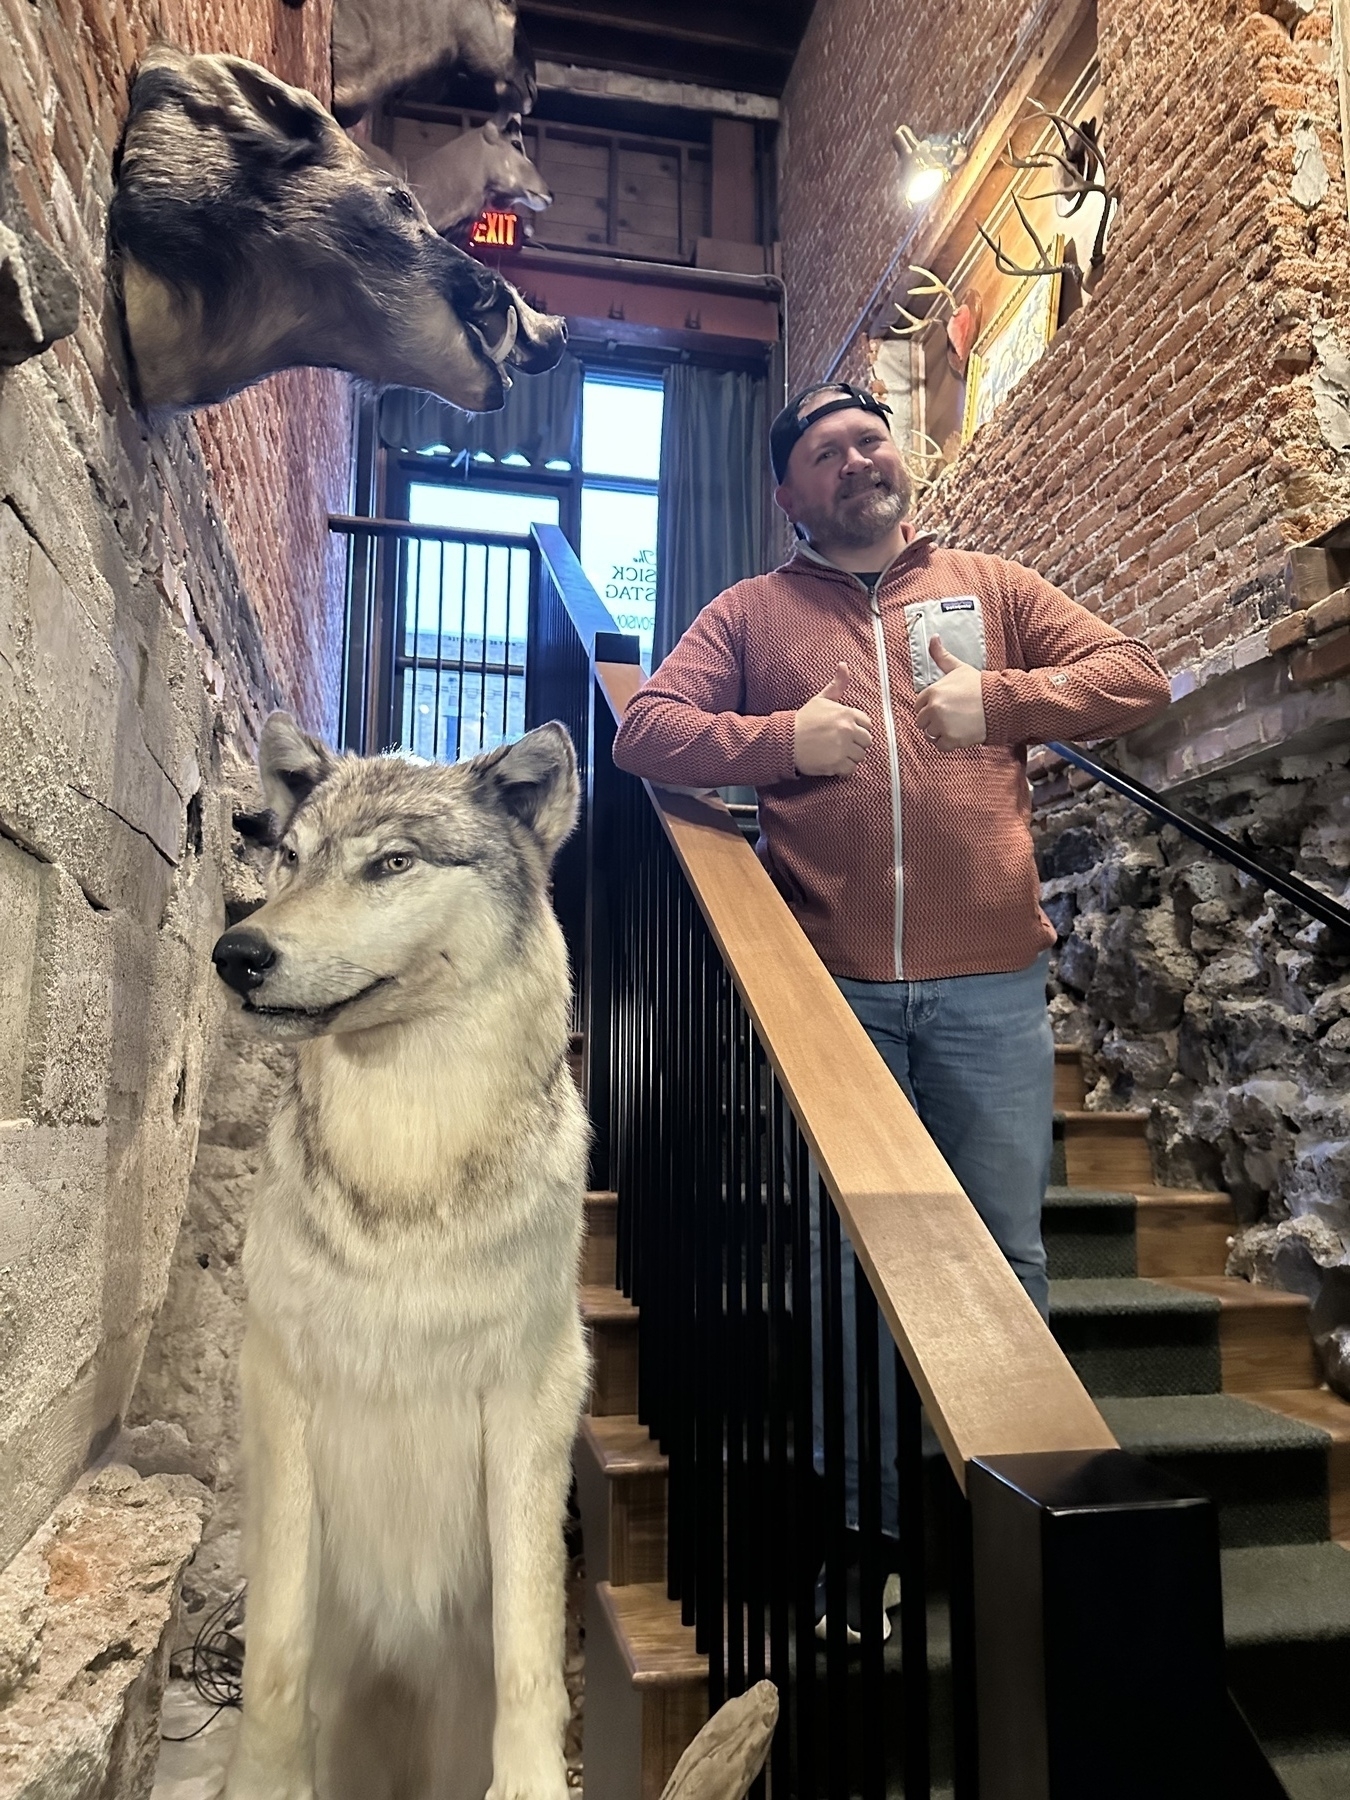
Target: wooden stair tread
<point>1103,1121</point>
<point>656,1645</point>
<point>601,1198</point>
<point>623,1446</point>
<point>1328,1412</point>
<point>1313,1406</point>
<point>1237,1295</point>
<point>1181,1232</point>
<point>1264,1343</point>
<point>1198,1200</point>
<point>1068,1053</point>
<point>606,1306</point>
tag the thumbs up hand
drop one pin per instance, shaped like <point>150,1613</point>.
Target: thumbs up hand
<point>951,711</point>
<point>829,738</point>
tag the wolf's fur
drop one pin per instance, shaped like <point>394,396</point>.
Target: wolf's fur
<point>414,1364</point>
<point>249,234</point>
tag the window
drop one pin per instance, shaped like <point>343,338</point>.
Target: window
<point>480,509</point>
<point>460,661</point>
<point>621,468</point>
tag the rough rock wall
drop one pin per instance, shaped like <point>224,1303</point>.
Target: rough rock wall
<point>86,1615</point>
<point>184,1416</point>
<point>1223,1011</point>
<point>1195,417</point>
<point>160,590</point>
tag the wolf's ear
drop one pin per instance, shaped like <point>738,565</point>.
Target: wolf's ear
<point>291,766</point>
<point>536,778</point>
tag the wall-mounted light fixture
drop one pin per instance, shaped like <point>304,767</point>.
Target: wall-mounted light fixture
<point>930,162</point>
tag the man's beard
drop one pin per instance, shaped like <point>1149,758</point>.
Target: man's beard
<point>850,525</point>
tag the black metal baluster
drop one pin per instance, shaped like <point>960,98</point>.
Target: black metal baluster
<point>463,613</point>
<point>805,1534</point>
<point>733,1361</point>
<point>916,1756</point>
<point>707,1303</point>
<point>961,1600</point>
<point>869,1737</point>
<point>756,1388</point>
<point>687,1272</point>
<point>836,1496</point>
<point>781,1542</point>
<point>712,1434</point>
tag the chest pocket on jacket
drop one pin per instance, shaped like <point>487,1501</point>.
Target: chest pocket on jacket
<point>957,620</point>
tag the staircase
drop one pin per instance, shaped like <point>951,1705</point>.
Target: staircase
<point>1207,1375</point>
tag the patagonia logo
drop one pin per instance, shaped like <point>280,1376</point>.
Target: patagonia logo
<point>966,605</point>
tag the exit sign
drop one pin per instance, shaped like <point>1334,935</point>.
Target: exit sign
<point>496,229</point>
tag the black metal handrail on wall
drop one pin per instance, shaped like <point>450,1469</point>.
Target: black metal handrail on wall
<point>1059,1618</point>
<point>1219,843</point>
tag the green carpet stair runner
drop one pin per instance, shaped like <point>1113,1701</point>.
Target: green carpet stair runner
<point>1150,1354</point>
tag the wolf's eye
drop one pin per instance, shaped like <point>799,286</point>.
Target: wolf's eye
<point>290,856</point>
<point>395,864</point>
<point>402,199</point>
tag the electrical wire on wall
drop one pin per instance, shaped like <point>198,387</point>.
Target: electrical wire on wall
<point>214,1662</point>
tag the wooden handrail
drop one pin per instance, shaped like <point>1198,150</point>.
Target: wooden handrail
<point>991,1376</point>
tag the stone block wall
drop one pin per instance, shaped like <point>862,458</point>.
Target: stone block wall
<point>162,586</point>
<point>1192,420</point>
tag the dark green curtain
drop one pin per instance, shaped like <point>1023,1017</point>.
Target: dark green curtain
<point>714,462</point>
<point>540,421</point>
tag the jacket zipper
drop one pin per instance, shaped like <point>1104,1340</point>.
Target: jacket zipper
<point>893,751</point>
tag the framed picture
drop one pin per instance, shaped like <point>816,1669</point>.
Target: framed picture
<point>1016,338</point>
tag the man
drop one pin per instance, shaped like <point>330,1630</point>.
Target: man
<point>879,692</point>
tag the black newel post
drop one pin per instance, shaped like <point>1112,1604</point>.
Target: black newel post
<point>1099,1631</point>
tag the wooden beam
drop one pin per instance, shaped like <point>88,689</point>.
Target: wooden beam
<point>716,27</point>
<point>637,53</point>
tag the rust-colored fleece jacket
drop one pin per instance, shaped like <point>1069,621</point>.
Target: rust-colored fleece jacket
<point>919,864</point>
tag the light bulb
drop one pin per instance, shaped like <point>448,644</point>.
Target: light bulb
<point>923,184</point>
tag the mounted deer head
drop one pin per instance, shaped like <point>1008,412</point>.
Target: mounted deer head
<point>249,234</point>
<point>484,167</point>
<point>1077,170</point>
<point>380,45</point>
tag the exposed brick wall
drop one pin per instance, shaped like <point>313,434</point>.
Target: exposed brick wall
<point>862,70</point>
<point>160,590</point>
<point>1169,445</point>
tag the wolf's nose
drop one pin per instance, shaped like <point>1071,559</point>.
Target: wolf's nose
<point>242,959</point>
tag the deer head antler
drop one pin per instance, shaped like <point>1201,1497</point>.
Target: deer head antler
<point>917,323</point>
<point>1080,169</point>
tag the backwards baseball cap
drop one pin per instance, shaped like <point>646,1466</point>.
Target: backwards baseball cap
<point>799,415</point>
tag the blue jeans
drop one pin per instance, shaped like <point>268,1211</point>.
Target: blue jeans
<point>975,1057</point>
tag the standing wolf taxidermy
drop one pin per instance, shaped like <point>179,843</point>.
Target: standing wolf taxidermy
<point>414,1364</point>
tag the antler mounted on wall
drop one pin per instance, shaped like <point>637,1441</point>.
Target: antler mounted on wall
<point>1078,171</point>
<point>959,318</point>
<point>916,324</point>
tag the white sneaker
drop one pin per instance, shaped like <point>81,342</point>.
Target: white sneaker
<point>890,1598</point>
